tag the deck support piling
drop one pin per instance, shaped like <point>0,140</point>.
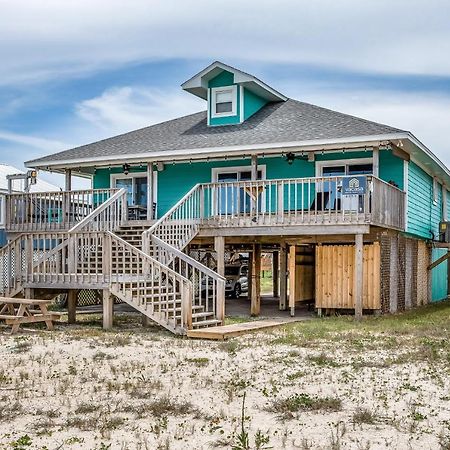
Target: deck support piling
<point>150,193</point>
<point>72,305</point>
<point>283,277</point>
<point>108,309</point>
<point>255,307</point>
<point>292,287</point>
<point>219,247</point>
<point>275,274</point>
<point>358,276</point>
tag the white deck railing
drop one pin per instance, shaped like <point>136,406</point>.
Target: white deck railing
<point>298,201</point>
<point>52,210</point>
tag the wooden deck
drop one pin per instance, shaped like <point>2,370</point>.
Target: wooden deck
<point>224,332</point>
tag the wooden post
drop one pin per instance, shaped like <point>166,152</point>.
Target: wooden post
<point>276,274</point>
<point>376,161</point>
<point>108,309</point>
<point>150,193</point>
<point>448,276</point>
<point>68,180</point>
<point>29,293</point>
<point>219,247</point>
<point>358,274</point>
<point>72,305</point>
<point>254,173</point>
<point>254,177</point>
<point>292,287</point>
<point>255,307</point>
<point>283,278</point>
<point>250,275</point>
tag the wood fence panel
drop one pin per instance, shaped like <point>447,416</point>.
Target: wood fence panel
<point>334,276</point>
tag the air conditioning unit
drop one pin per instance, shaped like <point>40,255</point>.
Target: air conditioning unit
<point>444,232</point>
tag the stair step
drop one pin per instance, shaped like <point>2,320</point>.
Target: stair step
<point>206,323</point>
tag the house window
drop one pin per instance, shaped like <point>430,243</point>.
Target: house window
<point>224,101</point>
<point>2,211</point>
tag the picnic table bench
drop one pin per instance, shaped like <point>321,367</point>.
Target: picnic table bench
<point>16,311</point>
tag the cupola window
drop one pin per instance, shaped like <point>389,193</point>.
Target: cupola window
<point>224,101</point>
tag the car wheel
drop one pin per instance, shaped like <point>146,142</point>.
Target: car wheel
<point>237,291</point>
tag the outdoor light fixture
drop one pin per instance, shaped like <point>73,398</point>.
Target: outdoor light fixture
<point>291,157</point>
<point>126,168</point>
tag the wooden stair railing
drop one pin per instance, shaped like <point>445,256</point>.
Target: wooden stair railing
<point>11,267</point>
<point>165,241</point>
<point>152,288</point>
<point>109,216</point>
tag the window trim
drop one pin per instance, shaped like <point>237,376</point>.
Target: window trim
<point>341,162</point>
<point>214,92</point>
<point>435,190</point>
<point>132,175</point>
<point>2,210</point>
<point>216,170</point>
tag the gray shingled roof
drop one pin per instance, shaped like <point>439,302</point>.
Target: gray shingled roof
<point>280,122</point>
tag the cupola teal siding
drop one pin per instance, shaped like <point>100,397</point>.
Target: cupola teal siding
<point>247,103</point>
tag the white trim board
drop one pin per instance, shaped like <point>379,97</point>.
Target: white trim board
<point>216,170</point>
<point>115,176</point>
<point>341,162</point>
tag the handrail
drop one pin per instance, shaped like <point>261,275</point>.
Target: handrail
<point>56,210</point>
<point>188,259</point>
<point>172,210</point>
<point>118,216</point>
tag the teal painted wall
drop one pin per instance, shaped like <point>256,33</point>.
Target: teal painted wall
<point>439,276</point>
<point>102,178</point>
<point>252,103</point>
<point>391,168</point>
<point>423,215</point>
<point>224,78</point>
<point>175,180</point>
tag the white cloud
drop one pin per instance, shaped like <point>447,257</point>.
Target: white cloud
<point>53,39</point>
<point>122,109</point>
<point>33,141</point>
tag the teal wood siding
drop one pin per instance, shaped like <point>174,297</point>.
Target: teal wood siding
<point>176,180</point>
<point>2,238</point>
<point>102,178</point>
<point>439,276</point>
<point>391,168</point>
<point>448,206</point>
<point>252,103</point>
<point>423,214</point>
<point>222,80</point>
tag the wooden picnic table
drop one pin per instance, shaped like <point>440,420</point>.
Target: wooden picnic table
<point>16,311</point>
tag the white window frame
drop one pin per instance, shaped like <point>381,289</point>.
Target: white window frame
<point>132,176</point>
<point>341,162</point>
<point>216,170</point>
<point>217,90</point>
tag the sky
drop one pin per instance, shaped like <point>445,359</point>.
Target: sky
<point>76,71</point>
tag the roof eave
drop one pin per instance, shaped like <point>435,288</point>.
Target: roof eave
<point>201,153</point>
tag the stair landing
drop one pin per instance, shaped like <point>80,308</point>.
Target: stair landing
<point>224,332</point>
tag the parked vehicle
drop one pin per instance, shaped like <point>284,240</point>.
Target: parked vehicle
<point>237,280</point>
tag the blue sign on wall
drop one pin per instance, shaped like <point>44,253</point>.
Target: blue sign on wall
<point>354,185</point>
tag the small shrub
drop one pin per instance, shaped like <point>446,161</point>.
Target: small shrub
<point>364,415</point>
<point>303,402</point>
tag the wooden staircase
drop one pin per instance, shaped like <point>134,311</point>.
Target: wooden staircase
<point>144,268</point>
<point>153,298</point>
